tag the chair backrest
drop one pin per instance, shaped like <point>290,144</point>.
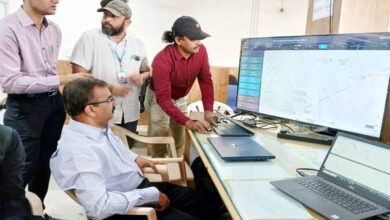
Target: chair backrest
<point>142,96</point>
<point>232,96</point>
<point>3,99</point>
<point>35,204</point>
<point>3,103</point>
<point>174,170</point>
<point>72,195</point>
<point>218,106</point>
<point>123,132</point>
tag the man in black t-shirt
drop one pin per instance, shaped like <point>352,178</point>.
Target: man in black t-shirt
<point>13,203</point>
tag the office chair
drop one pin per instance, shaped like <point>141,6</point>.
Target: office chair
<point>170,170</point>
<point>220,107</point>
<point>3,103</point>
<point>174,169</point>
<point>232,92</point>
<point>35,204</point>
<point>142,96</point>
<point>149,212</point>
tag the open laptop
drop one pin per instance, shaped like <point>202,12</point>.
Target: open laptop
<point>228,127</point>
<point>352,183</point>
<point>239,149</point>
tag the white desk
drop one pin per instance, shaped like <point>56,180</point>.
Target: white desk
<point>244,186</point>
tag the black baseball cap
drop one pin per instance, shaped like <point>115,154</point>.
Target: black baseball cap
<point>189,27</point>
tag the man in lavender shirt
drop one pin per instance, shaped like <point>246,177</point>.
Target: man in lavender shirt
<point>29,46</point>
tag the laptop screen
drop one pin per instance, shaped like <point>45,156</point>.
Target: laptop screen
<point>361,166</point>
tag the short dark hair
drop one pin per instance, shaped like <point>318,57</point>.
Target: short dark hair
<point>103,3</point>
<point>79,92</point>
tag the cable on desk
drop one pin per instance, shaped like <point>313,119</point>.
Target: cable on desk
<point>263,123</point>
<point>301,170</point>
<point>254,116</point>
<point>267,126</point>
<point>273,124</point>
<point>289,128</point>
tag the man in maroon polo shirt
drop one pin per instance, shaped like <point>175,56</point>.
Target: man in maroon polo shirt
<point>175,70</point>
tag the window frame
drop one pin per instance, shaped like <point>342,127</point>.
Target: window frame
<point>6,3</point>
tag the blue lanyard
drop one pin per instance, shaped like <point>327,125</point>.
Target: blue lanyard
<point>116,55</point>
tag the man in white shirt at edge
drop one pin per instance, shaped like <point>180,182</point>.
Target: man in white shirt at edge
<point>105,175</point>
<point>112,55</point>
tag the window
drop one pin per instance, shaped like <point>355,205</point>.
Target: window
<point>3,8</point>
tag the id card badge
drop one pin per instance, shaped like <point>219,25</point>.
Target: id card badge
<point>122,77</point>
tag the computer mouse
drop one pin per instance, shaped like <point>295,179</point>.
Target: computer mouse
<point>223,120</point>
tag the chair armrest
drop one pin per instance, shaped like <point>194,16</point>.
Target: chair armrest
<point>147,140</point>
<point>148,211</point>
<point>167,160</point>
<point>169,169</point>
<point>161,175</point>
<point>35,204</point>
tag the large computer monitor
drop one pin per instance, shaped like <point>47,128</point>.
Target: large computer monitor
<point>335,81</point>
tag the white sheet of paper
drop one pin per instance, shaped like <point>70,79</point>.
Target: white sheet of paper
<point>322,9</point>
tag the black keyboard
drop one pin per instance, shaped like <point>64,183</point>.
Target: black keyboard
<point>343,199</point>
<point>227,128</point>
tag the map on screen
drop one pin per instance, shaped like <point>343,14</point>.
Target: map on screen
<point>335,81</point>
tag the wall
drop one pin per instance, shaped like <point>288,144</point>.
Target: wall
<point>282,18</point>
<point>364,16</point>
<point>227,21</point>
<point>327,24</point>
<point>351,16</point>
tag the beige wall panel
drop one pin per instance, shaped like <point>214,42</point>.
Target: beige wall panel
<point>386,130</point>
<point>220,77</point>
<point>322,26</point>
<point>388,21</point>
<point>64,67</point>
<point>364,16</point>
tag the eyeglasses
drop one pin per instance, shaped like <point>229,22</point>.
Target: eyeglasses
<point>110,99</point>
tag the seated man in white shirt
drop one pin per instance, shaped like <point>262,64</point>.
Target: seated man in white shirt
<point>107,177</point>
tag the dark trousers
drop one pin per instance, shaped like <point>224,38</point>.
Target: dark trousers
<point>131,126</point>
<point>186,203</point>
<point>13,203</point>
<point>38,119</point>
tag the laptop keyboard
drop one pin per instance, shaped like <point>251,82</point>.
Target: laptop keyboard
<point>346,200</point>
<point>228,128</point>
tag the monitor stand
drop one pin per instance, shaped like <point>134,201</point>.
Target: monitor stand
<point>324,130</point>
<point>313,138</point>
